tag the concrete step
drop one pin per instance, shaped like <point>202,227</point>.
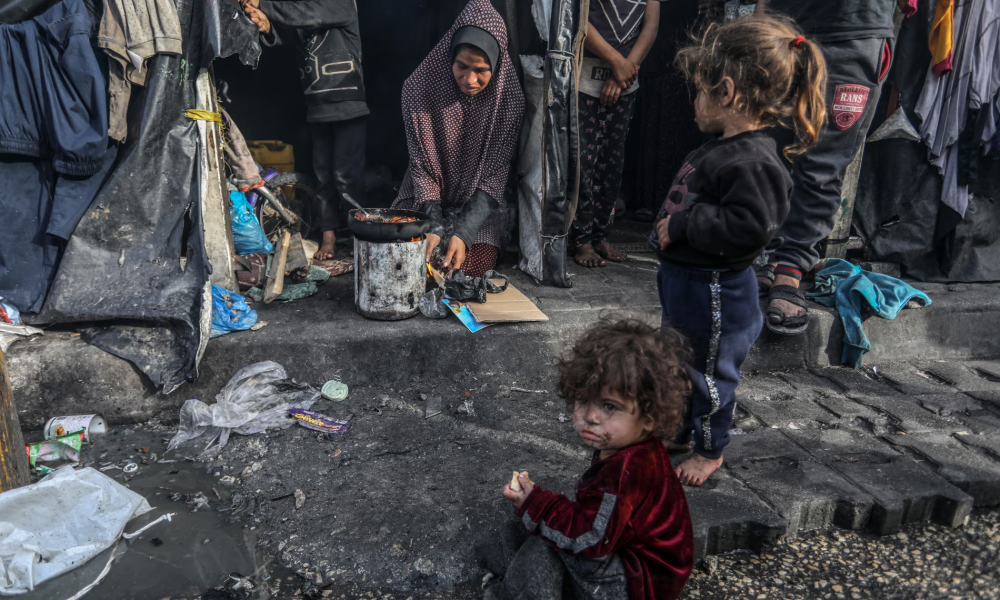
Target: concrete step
<point>323,336</point>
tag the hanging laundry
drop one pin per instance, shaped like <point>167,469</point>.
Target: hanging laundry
<point>942,37</point>
<point>52,94</point>
<point>53,113</point>
<point>946,100</point>
<point>132,31</point>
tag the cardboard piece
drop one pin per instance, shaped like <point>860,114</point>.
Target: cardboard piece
<point>509,306</point>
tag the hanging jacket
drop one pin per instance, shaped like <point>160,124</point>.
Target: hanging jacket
<point>327,36</point>
<point>53,98</point>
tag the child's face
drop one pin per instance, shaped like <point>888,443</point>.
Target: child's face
<point>611,422</point>
<point>708,113</point>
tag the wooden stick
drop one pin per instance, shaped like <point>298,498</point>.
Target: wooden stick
<point>14,470</point>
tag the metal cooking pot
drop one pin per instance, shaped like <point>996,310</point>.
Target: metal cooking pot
<point>387,232</point>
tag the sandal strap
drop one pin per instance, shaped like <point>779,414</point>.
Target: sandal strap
<point>788,293</point>
<point>793,321</point>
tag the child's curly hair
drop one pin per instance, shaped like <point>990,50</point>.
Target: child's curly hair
<point>634,360</point>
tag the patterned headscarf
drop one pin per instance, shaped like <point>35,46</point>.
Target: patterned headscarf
<point>460,143</point>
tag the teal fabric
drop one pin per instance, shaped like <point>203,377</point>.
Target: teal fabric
<point>856,294</point>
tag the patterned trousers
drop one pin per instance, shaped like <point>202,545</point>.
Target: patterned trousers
<point>603,130</point>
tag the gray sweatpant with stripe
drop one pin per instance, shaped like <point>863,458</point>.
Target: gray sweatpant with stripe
<point>530,569</point>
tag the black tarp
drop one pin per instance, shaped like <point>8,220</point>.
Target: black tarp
<point>135,269</point>
<point>898,209</point>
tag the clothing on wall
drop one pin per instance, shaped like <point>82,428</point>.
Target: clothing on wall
<point>946,100</point>
<point>942,37</point>
<point>131,32</point>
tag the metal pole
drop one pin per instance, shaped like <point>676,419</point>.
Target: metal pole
<point>13,461</point>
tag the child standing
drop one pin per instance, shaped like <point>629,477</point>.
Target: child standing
<point>726,203</point>
<point>628,533</point>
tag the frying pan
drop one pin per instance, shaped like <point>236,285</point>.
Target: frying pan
<point>388,232</point>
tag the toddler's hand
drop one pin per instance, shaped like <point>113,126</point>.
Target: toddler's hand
<point>663,232</point>
<point>259,18</point>
<point>518,498</point>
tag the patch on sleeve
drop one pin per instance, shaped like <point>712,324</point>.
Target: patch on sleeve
<point>848,104</point>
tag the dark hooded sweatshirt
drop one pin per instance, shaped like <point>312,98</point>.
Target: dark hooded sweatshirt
<point>727,202</point>
<point>327,36</point>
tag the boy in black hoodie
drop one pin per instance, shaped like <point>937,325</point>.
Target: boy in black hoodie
<point>727,202</point>
<point>329,42</point>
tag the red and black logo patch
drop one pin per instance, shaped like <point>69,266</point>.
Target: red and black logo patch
<point>848,104</point>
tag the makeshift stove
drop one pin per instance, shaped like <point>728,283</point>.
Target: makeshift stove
<point>389,277</point>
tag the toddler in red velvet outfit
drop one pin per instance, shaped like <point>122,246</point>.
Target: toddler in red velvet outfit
<point>627,535</point>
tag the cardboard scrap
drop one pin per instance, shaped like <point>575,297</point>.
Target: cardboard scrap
<point>508,306</point>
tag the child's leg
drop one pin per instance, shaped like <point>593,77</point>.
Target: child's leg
<point>536,573</point>
<point>608,174</point>
<point>596,579</point>
<point>721,318</point>
<point>591,135</point>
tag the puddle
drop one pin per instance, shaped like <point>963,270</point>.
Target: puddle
<point>199,550</point>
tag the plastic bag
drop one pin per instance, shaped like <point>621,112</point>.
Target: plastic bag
<point>460,286</point>
<point>248,236</point>
<point>230,312</point>
<point>431,305</point>
<point>256,398</point>
<point>61,522</point>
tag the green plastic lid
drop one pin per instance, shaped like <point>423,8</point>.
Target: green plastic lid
<point>334,390</point>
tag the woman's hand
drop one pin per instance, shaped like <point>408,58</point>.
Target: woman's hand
<point>259,18</point>
<point>432,242</point>
<point>456,253</point>
<point>663,232</point>
<point>610,92</point>
<point>518,498</point>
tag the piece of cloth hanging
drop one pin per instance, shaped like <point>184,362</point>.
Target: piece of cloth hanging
<point>942,37</point>
<point>946,100</point>
<point>130,32</point>
<point>53,103</point>
<point>457,143</point>
<point>857,293</point>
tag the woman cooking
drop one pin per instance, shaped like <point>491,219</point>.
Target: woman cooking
<point>462,109</point>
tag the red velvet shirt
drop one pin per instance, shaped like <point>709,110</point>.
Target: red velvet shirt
<point>631,504</point>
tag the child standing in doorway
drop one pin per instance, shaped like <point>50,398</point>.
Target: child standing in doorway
<point>620,34</point>
<point>727,202</point>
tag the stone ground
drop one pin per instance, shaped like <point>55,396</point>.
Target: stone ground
<point>393,507</point>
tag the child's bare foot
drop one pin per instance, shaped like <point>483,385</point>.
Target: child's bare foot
<point>675,448</point>
<point>586,256</point>
<point>610,252</point>
<point>327,250</point>
<point>697,469</point>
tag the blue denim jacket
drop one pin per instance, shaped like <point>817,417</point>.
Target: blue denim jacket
<point>53,98</point>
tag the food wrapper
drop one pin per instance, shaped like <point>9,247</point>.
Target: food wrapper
<point>49,455</point>
<point>318,422</point>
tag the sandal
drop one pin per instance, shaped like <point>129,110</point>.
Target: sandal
<point>643,215</point>
<point>765,278</point>
<point>794,325</point>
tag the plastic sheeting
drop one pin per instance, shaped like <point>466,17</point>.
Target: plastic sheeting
<point>256,398</point>
<point>60,523</point>
<point>136,264</point>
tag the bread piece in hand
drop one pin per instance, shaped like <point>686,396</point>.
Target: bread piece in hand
<point>515,484</point>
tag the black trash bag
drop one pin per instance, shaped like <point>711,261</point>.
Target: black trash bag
<point>460,286</point>
<point>431,305</point>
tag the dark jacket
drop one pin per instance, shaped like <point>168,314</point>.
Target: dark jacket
<point>327,36</point>
<point>727,202</point>
<point>839,20</point>
<point>53,98</point>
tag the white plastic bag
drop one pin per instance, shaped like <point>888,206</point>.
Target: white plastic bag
<point>60,523</point>
<point>256,398</point>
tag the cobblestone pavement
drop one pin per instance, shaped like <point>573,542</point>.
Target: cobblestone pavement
<point>865,450</point>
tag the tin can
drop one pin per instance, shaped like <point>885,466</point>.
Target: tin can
<point>90,424</point>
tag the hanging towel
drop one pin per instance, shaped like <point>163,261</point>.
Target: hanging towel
<point>857,293</point>
<point>942,37</point>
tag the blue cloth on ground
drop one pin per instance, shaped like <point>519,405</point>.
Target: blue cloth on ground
<point>230,312</point>
<point>857,293</point>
